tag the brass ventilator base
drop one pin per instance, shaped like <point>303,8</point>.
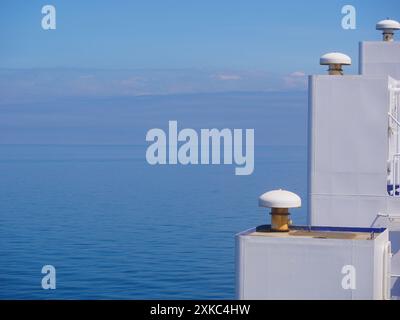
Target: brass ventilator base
<point>335,70</point>
<point>388,36</point>
<point>280,220</point>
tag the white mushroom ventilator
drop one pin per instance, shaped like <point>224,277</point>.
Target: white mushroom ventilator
<point>335,61</point>
<point>280,201</point>
<point>388,27</point>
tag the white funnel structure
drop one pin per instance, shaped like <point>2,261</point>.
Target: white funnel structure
<point>353,191</point>
<point>354,145</point>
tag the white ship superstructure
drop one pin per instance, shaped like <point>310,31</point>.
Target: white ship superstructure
<point>354,190</point>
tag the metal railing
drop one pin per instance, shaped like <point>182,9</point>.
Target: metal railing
<point>393,187</point>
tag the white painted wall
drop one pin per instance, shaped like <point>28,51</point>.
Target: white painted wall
<point>308,268</point>
<point>348,150</point>
<point>380,59</point>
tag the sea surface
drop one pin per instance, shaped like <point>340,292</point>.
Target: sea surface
<point>115,227</point>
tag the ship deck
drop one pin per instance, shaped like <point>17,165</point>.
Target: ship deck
<point>319,233</point>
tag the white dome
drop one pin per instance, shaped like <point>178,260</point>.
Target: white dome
<point>279,199</point>
<point>335,58</point>
<point>388,25</point>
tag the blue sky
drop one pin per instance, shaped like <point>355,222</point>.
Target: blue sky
<point>207,45</point>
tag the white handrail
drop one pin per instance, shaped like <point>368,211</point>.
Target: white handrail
<point>394,139</point>
<point>394,119</point>
<point>391,217</point>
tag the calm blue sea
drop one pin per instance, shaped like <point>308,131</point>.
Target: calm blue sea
<point>117,228</point>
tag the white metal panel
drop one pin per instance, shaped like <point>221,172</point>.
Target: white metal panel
<point>348,154</point>
<point>308,268</point>
<point>346,210</point>
<point>380,59</point>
